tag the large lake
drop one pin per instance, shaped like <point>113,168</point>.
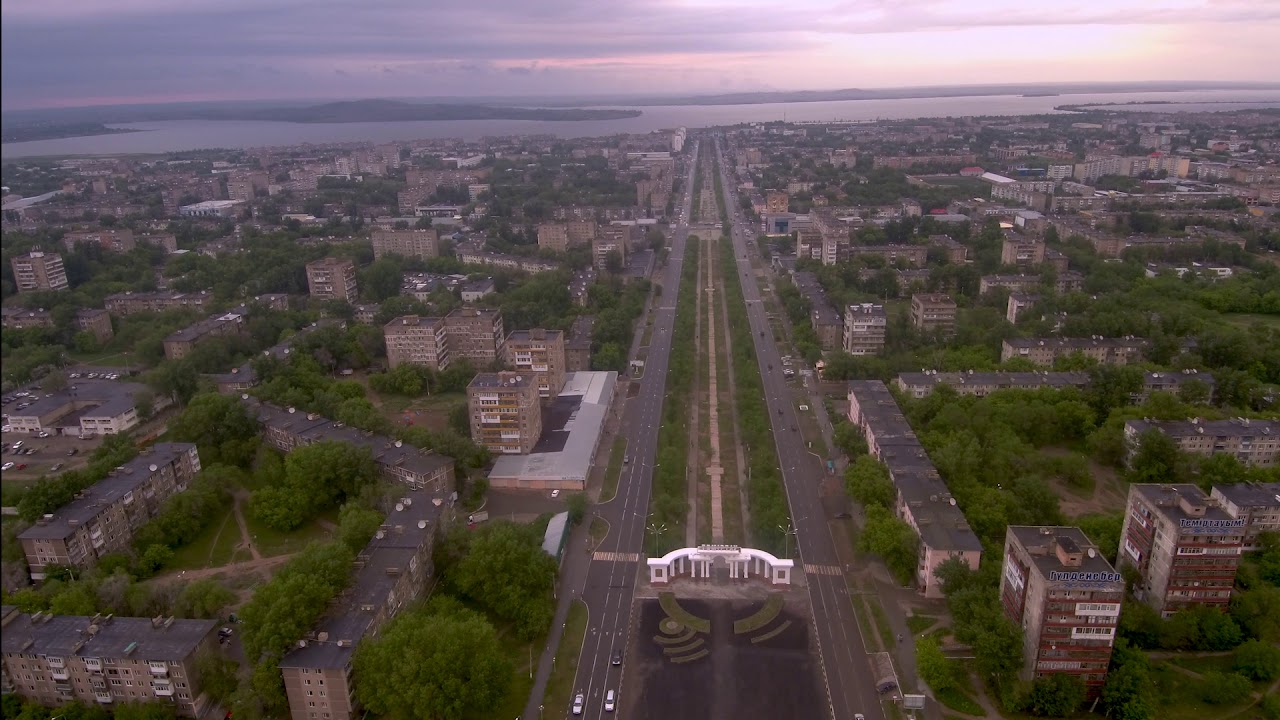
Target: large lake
<point>162,137</point>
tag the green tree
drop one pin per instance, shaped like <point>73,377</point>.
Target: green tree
<point>432,666</point>
<point>576,504</point>
<point>506,572</point>
<point>867,481</point>
<point>893,540</point>
<point>934,667</point>
<point>1217,688</point>
<point>1156,461</point>
<point>1056,695</point>
<point>315,478</point>
<point>1258,661</point>
<point>221,427</point>
<point>357,524</point>
<point>204,598</point>
<point>217,676</point>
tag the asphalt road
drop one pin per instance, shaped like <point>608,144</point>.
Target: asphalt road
<point>610,584</point>
<point>848,674</point>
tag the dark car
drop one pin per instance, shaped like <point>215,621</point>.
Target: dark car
<point>617,657</point>
<point>72,451</point>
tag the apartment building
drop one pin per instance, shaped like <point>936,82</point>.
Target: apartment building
<point>1013,283</point>
<point>506,415</point>
<point>923,500</point>
<point>95,322</point>
<point>1185,548</point>
<point>332,279</point>
<point>776,202</point>
<point>1021,251</point>
<point>981,384</point>
<point>577,350</point>
<point>934,313</point>
<point>1044,351</point>
<point>602,247</point>
<point>540,353</point>
<point>18,318</point>
<point>826,320</point>
<point>580,232</point>
<point>1251,441</point>
<point>472,255</point>
<point>391,572</point>
<point>180,343</point>
<point>473,290</point>
<point>38,271</point>
<point>129,303</point>
<point>475,334</point>
<point>103,517</point>
<point>1019,302</point>
<point>553,236</point>
<point>1257,504</point>
<point>57,659</point>
<point>892,255</point>
<point>864,329</point>
<point>113,239</point>
<point>417,340</point>
<point>957,254</point>
<point>420,243</point>
<point>286,429</point>
<point>1066,597</point>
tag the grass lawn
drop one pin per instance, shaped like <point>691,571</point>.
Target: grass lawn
<point>599,529</point>
<point>109,359</point>
<point>214,547</point>
<point>919,623</point>
<point>610,487</point>
<point>1247,319</point>
<point>1180,696</point>
<point>960,698</point>
<point>560,687</point>
<point>882,621</point>
<point>864,623</point>
<point>271,542</point>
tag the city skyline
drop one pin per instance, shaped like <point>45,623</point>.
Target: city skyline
<point>65,53</point>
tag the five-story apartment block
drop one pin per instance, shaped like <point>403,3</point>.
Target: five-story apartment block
<point>419,243</point>
<point>103,517</point>
<point>864,329</point>
<point>934,312</point>
<point>475,334</point>
<point>417,340</point>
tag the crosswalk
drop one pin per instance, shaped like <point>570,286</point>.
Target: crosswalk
<point>616,557</point>
<point>822,569</point>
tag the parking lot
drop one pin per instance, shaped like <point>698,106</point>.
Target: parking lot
<point>737,678</point>
<point>53,451</point>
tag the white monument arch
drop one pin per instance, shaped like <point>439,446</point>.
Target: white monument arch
<point>698,561</point>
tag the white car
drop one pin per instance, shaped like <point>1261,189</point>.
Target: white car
<point>6,428</point>
<point>577,704</point>
<point>609,701</point>
<point>7,466</point>
<point>555,493</point>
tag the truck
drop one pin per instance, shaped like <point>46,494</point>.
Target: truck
<point>478,516</point>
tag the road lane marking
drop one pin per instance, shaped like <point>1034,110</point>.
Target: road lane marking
<point>813,569</point>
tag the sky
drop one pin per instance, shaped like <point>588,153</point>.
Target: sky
<point>61,53</point>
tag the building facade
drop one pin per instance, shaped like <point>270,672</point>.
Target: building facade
<point>864,329</point>
<point>475,334</point>
<point>541,353</point>
<point>1066,597</point>
<point>417,340</point>
<point>95,322</point>
<point>1044,351</point>
<point>934,313</point>
<point>414,243</point>
<point>332,279</point>
<point>38,271</point>
<point>577,350</point>
<point>1185,548</point>
<point>1251,441</point>
<point>506,415</point>
<point>57,659</point>
<point>103,517</point>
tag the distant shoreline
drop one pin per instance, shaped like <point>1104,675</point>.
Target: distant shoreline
<point>1144,103</point>
<point>33,133</point>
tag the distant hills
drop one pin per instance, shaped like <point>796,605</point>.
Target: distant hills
<point>396,111</point>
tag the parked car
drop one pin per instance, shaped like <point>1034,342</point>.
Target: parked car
<point>56,467</point>
<point>6,466</point>
<point>555,493</point>
<point>72,451</point>
<point>21,466</point>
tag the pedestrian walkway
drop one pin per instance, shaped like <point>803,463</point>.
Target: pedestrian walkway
<point>615,557</point>
<point>822,569</point>
<point>714,469</point>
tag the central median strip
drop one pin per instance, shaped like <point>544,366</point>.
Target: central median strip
<point>766,499</point>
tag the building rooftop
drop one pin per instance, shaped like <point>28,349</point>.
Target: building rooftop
<point>1251,495</point>
<point>1231,427</point>
<point>535,334</point>
<point>571,431</point>
<point>67,636</point>
<point>503,379</point>
<point>1180,502</point>
<point>997,379</point>
<point>122,481</point>
<point>1042,542</point>
<point>405,530</point>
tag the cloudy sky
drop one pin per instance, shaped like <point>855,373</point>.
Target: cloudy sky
<point>87,52</point>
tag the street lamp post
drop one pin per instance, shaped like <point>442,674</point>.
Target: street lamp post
<point>786,538</point>
<point>656,530</point>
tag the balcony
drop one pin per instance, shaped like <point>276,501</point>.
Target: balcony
<point>102,697</point>
<point>59,673</point>
<point>162,689</point>
<point>158,668</point>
